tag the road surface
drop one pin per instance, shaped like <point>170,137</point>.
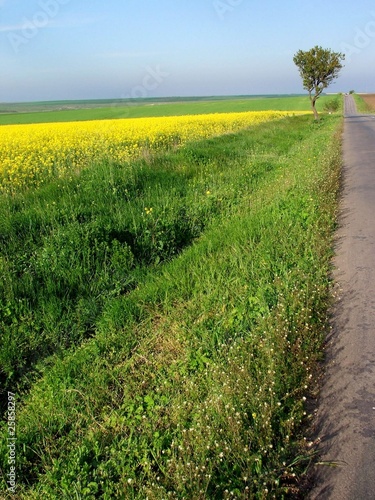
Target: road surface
<point>346,411</point>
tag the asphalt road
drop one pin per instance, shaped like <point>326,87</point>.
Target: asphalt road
<point>346,411</point>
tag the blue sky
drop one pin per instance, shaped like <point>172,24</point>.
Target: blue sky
<point>88,49</point>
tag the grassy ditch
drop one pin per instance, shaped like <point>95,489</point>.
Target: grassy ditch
<point>163,321</point>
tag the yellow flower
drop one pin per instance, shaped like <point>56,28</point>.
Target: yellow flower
<point>30,154</point>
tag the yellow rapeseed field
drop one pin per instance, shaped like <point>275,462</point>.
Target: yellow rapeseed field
<point>32,154</point>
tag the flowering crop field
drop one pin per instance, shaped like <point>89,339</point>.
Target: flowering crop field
<point>32,154</point>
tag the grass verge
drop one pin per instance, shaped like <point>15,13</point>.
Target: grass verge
<point>179,366</point>
<point>362,105</point>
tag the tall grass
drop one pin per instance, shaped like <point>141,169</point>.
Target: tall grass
<point>162,322</point>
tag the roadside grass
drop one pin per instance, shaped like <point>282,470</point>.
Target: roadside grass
<point>139,109</point>
<point>167,318</point>
<point>362,105</point>
<point>333,105</point>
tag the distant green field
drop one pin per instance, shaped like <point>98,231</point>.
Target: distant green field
<point>105,109</point>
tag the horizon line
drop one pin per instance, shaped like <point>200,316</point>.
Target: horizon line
<point>159,98</point>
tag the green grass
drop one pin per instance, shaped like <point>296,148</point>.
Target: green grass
<point>362,106</point>
<point>141,109</point>
<point>166,353</point>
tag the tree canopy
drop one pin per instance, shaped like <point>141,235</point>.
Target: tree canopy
<point>318,67</point>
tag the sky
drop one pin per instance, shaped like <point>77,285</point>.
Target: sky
<point>112,49</point>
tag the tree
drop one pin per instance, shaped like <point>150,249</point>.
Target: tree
<point>318,68</point>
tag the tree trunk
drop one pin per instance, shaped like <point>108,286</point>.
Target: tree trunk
<point>313,100</point>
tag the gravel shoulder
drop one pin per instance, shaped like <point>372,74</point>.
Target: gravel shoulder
<point>346,411</point>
